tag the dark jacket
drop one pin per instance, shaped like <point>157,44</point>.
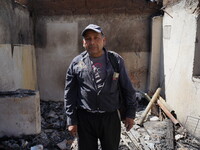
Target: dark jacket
<point>81,91</point>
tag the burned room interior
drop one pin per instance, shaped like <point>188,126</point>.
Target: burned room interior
<point>158,40</point>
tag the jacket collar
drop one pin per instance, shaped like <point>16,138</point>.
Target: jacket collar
<point>85,54</point>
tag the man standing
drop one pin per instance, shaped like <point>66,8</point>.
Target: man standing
<point>92,94</point>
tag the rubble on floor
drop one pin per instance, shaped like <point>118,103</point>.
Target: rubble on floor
<point>153,135</point>
<point>160,135</point>
<point>53,130</point>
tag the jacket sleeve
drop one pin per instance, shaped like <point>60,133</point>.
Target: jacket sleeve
<point>127,90</point>
<point>70,96</point>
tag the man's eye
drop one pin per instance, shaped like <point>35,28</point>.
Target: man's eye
<point>87,39</point>
<point>97,38</point>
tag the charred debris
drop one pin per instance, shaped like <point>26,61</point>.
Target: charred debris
<point>156,128</point>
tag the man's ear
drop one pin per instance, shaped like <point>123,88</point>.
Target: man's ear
<point>104,41</point>
<point>83,43</point>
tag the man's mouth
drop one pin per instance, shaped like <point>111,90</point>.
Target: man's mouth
<point>92,47</point>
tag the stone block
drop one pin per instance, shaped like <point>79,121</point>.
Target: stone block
<point>20,113</point>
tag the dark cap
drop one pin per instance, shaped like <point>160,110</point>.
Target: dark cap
<point>93,27</point>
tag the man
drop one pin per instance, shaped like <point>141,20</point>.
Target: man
<point>92,94</point>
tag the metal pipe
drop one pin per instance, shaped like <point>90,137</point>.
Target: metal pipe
<point>167,112</point>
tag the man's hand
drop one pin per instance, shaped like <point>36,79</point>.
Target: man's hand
<point>129,122</point>
<point>73,130</point>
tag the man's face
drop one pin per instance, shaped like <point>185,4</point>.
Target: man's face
<point>94,42</point>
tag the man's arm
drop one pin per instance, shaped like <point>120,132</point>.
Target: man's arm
<point>129,94</point>
<point>70,96</point>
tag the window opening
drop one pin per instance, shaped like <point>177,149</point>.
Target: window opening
<point>196,67</point>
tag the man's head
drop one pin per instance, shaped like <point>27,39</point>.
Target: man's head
<point>93,27</point>
<point>93,40</point>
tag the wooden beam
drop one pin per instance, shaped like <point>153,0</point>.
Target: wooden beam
<point>154,98</point>
<point>160,98</point>
<point>165,107</point>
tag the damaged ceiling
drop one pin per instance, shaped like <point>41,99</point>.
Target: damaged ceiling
<point>70,7</point>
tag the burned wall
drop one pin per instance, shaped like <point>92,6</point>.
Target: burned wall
<point>16,25</point>
<point>17,53</point>
<point>90,7</point>
<point>58,39</point>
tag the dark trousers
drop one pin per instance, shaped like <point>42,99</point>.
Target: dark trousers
<point>103,126</point>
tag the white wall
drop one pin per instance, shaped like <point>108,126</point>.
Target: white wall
<point>155,64</point>
<point>182,90</point>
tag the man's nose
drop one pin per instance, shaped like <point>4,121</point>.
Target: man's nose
<point>92,41</point>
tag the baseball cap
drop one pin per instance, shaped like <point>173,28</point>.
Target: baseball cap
<point>93,27</point>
